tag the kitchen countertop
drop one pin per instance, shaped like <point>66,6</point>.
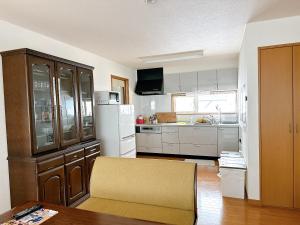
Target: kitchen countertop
<point>188,125</point>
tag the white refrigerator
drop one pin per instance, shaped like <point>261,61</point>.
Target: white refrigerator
<point>115,127</point>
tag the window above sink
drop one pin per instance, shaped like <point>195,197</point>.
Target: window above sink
<point>210,102</point>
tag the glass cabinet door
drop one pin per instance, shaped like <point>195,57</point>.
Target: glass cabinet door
<point>43,104</point>
<point>86,91</point>
<point>69,130</point>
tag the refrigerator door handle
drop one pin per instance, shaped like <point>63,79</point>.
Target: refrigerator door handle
<point>128,137</point>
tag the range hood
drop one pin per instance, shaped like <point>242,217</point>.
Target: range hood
<point>150,82</point>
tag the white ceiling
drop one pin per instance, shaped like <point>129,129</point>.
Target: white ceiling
<point>124,30</point>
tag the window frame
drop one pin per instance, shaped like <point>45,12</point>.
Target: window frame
<point>195,94</point>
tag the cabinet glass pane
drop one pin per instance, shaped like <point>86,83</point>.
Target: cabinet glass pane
<point>44,126</point>
<point>67,102</point>
<point>86,104</point>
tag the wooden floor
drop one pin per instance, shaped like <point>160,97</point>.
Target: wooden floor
<point>213,209</point>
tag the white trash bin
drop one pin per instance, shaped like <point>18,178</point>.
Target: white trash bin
<point>233,182</point>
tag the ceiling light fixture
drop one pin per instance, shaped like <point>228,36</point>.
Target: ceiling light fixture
<point>172,57</point>
<point>150,1</point>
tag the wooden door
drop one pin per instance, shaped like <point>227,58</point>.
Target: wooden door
<point>90,160</point>
<point>276,130</point>
<point>68,104</point>
<point>76,180</point>
<point>52,186</point>
<point>296,77</point>
<point>43,104</point>
<point>86,104</point>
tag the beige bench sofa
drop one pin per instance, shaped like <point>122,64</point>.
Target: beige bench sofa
<point>147,189</point>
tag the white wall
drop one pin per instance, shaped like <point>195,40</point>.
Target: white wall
<point>258,34</point>
<point>13,37</point>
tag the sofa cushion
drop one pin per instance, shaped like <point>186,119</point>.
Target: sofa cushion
<point>165,183</point>
<point>139,211</point>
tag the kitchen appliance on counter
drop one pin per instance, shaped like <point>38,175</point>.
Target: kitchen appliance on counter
<point>115,127</point>
<point>107,97</point>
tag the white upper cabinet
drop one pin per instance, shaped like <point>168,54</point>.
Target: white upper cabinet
<point>171,83</point>
<point>227,79</point>
<point>207,80</point>
<point>188,82</point>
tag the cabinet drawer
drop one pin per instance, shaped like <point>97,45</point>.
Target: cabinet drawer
<point>92,149</point>
<point>199,150</point>
<point>170,129</point>
<point>171,148</point>
<point>50,164</point>
<point>131,154</point>
<point>198,135</point>
<point>127,144</point>
<point>70,157</point>
<point>148,140</point>
<point>170,138</point>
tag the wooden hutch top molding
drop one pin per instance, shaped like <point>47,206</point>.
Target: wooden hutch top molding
<point>46,56</point>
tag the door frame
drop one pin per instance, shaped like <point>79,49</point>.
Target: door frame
<point>126,81</point>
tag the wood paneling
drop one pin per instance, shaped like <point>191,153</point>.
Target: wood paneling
<point>276,126</point>
<point>296,78</point>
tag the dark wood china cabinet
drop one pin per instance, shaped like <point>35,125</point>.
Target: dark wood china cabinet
<point>50,127</point>
<point>86,90</point>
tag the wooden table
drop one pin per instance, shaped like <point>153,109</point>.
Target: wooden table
<point>72,216</point>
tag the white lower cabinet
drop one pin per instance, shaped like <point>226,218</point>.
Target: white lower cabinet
<point>148,142</point>
<point>189,140</point>
<point>170,138</point>
<point>200,150</point>
<point>169,148</point>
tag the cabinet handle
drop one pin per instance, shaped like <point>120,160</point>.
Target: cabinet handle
<point>290,128</point>
<point>75,156</point>
<point>297,128</point>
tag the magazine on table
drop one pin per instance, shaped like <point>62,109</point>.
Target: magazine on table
<point>35,218</point>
